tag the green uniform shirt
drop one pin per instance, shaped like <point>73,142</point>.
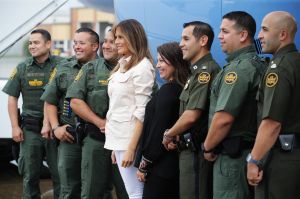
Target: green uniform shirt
<point>29,78</point>
<point>91,86</point>
<point>195,94</point>
<point>234,91</point>
<point>279,92</point>
<point>55,92</point>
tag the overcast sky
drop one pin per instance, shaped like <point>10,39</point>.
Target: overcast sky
<point>12,16</point>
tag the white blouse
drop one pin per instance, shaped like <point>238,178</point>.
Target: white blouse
<point>128,92</point>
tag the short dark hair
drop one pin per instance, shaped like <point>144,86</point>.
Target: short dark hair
<point>243,20</point>
<point>200,29</point>
<point>45,34</point>
<point>95,36</point>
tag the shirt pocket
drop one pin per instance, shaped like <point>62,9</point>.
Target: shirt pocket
<point>123,77</point>
<point>98,100</point>
<point>184,96</point>
<point>63,82</point>
<point>122,114</point>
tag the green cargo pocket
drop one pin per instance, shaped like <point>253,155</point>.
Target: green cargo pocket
<point>21,165</point>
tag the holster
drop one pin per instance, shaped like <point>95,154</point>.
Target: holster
<point>188,141</point>
<point>287,142</point>
<point>94,132</point>
<point>77,132</point>
<point>33,124</point>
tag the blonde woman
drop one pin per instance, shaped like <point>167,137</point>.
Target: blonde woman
<point>129,90</point>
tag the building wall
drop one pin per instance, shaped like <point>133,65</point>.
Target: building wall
<point>63,33</point>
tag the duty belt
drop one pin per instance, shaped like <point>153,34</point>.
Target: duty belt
<point>94,132</point>
<point>33,124</point>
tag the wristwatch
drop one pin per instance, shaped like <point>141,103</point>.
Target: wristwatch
<point>249,159</point>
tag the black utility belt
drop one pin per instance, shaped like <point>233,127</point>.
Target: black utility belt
<point>287,142</point>
<point>233,146</point>
<point>33,124</point>
<point>94,132</point>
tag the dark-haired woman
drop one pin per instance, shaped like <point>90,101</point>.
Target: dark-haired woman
<point>159,168</point>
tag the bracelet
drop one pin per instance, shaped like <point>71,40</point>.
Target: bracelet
<point>55,129</point>
<point>145,165</point>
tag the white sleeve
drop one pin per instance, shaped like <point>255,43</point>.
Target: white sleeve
<point>143,81</point>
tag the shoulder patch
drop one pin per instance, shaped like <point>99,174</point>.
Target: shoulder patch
<point>52,75</point>
<point>78,76</point>
<point>203,78</point>
<point>230,78</point>
<point>271,80</point>
<point>13,73</point>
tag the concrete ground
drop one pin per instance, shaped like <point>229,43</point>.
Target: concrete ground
<point>11,183</point>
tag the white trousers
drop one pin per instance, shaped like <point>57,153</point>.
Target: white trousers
<point>133,187</point>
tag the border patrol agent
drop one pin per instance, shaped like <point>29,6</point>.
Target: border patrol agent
<point>233,108</point>
<point>195,172</point>
<point>89,100</point>
<point>55,95</point>
<point>274,162</point>
<point>64,126</point>
<point>29,79</point>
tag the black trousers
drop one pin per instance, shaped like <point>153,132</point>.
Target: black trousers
<point>161,188</point>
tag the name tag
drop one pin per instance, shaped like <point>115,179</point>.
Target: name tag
<point>35,83</point>
<point>103,82</point>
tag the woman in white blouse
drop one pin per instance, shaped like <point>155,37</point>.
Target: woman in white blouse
<point>129,90</point>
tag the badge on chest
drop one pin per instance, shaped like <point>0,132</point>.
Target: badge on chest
<point>35,83</point>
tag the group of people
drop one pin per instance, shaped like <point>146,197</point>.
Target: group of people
<point>208,132</point>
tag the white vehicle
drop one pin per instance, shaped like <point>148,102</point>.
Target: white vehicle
<point>7,145</point>
<point>16,27</point>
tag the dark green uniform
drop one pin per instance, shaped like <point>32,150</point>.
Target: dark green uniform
<point>234,91</point>
<point>29,79</point>
<point>195,171</point>
<point>69,155</point>
<point>91,86</point>
<point>278,100</point>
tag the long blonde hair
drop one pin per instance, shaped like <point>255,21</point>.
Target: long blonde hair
<point>136,39</point>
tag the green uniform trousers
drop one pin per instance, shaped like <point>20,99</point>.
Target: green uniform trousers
<point>32,152</point>
<point>195,177</point>
<point>96,170</point>
<point>230,177</point>
<point>118,183</point>
<point>281,178</point>
<point>69,168</point>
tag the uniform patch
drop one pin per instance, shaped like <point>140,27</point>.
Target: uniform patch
<point>203,78</point>
<point>35,83</point>
<point>13,73</point>
<point>271,80</point>
<point>186,84</point>
<point>230,78</point>
<point>103,82</point>
<point>52,75</point>
<point>78,76</point>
